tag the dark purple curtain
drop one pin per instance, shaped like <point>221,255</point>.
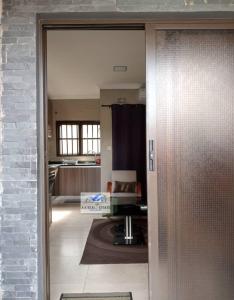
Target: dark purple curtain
<point>129,140</point>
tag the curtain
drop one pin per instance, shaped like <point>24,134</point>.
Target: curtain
<point>129,140</point>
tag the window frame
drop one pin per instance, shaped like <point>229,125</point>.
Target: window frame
<point>80,139</point>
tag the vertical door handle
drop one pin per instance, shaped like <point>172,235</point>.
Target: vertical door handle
<point>151,155</point>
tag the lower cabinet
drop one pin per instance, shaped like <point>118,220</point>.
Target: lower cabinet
<point>71,181</point>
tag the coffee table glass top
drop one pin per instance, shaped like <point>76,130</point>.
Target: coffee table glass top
<point>127,205</point>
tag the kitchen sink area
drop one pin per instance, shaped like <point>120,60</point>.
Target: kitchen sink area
<point>78,163</point>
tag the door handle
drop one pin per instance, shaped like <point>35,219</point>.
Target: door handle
<point>151,155</point>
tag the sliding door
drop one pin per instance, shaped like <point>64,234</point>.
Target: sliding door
<point>190,115</point>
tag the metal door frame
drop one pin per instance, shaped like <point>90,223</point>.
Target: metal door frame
<point>111,20</point>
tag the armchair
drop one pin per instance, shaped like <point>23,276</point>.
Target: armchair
<point>124,176</point>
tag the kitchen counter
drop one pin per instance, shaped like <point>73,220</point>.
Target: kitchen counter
<point>79,166</point>
<point>73,179</point>
<point>53,166</point>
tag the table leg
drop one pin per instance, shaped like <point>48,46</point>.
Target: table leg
<point>127,237</point>
<point>128,228</point>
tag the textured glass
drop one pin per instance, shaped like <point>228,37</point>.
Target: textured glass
<point>85,130</point>
<point>75,133</point>
<point>85,147</point>
<point>90,131</point>
<point>69,131</point>
<point>69,147</point>
<point>195,159</point>
<point>64,131</point>
<point>75,147</point>
<point>64,147</point>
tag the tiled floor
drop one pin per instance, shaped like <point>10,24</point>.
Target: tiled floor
<point>68,235</point>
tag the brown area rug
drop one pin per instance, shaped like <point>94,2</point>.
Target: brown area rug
<point>99,248</point>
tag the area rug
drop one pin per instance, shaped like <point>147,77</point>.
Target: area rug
<point>99,296</point>
<point>99,248</point>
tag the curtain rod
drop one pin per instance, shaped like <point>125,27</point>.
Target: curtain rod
<point>110,105</point>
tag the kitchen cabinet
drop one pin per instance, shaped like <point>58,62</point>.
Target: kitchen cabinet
<point>73,180</point>
<point>53,171</point>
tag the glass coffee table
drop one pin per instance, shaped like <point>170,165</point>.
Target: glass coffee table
<point>128,207</point>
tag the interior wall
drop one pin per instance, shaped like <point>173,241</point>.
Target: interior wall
<point>108,97</point>
<point>71,110</point>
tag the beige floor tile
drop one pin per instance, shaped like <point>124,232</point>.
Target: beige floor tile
<point>66,270</point>
<point>68,235</point>
<point>119,273</point>
<point>57,289</point>
<point>67,248</point>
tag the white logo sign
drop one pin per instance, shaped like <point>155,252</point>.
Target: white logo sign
<point>95,203</point>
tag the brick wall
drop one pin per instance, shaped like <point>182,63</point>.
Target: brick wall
<point>18,126</point>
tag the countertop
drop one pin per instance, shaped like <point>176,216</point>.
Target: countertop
<point>54,166</point>
<point>80,166</point>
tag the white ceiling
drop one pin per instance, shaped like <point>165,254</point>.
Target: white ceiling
<point>80,62</point>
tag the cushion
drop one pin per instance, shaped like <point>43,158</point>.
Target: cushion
<point>124,187</point>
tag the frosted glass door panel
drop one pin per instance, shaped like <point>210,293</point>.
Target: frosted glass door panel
<point>195,164</point>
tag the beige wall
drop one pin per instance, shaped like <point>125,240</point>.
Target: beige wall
<point>110,97</point>
<point>68,110</point>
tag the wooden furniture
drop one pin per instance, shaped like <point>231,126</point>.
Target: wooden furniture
<point>52,179</point>
<point>73,180</point>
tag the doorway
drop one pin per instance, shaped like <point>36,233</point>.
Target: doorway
<point>165,266</point>
<point>97,148</point>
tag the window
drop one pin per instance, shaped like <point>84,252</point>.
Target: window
<point>78,138</point>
